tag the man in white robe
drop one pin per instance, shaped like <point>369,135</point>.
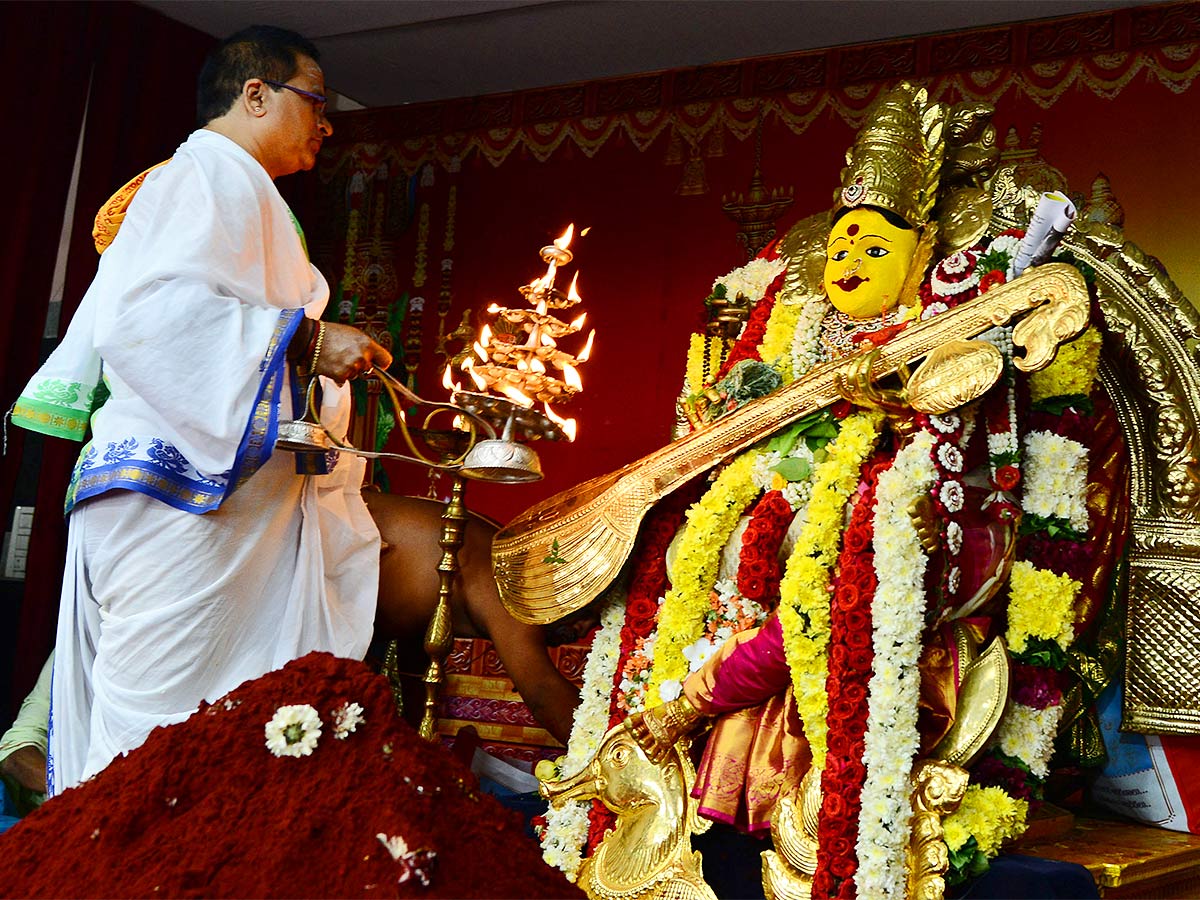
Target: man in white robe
<point>197,557</point>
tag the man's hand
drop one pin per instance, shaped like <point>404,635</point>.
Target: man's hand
<point>347,352</point>
<point>27,766</point>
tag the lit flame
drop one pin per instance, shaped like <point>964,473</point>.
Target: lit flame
<point>516,396</point>
<point>536,365</point>
<point>585,231</point>
<point>587,349</point>
<point>571,377</point>
<point>577,325</point>
<point>459,423</point>
<point>522,366</point>
<point>447,381</point>
<point>563,242</point>
<point>483,354</point>
<point>541,308</point>
<point>573,294</point>
<point>568,426</point>
<point>480,381</point>
<point>547,280</point>
<point>485,335</point>
<point>548,341</point>
<point>494,308</point>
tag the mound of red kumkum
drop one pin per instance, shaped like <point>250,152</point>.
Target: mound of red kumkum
<point>206,809</point>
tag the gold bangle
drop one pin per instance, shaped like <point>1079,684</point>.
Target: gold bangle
<point>312,366</point>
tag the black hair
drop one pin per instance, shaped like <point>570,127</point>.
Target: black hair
<point>260,51</point>
<point>894,220</point>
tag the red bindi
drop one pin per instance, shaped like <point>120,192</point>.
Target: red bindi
<point>852,230</point>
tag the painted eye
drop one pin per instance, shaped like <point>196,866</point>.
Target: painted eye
<point>877,252</point>
<point>840,255</point>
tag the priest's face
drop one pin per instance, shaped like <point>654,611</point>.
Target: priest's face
<point>298,124</point>
<point>867,260</point>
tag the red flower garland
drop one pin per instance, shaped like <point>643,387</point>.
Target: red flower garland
<point>850,658</point>
<point>756,326</point>
<point>759,571</point>
<point>649,582</point>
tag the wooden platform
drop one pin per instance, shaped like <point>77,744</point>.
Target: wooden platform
<point>1128,860</point>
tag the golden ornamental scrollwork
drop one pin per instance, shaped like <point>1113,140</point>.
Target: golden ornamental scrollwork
<point>937,790</point>
<point>787,871</point>
<point>648,855</point>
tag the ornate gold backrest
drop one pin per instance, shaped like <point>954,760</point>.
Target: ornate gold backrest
<point>1150,371</point>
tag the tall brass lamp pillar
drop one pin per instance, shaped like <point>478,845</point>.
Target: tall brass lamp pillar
<point>439,636</point>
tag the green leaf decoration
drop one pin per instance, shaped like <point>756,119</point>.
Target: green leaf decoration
<point>793,468</point>
<point>1056,406</point>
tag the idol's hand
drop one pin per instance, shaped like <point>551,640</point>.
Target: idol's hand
<point>346,352</point>
<point>659,728</point>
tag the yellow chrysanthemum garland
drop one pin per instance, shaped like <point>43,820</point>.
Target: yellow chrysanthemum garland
<point>989,815</point>
<point>804,590</point>
<point>1041,605</point>
<point>775,349</point>
<point>1073,371</point>
<point>705,354</point>
<point>710,521</point>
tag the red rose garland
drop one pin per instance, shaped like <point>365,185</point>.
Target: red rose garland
<point>850,658</point>
<point>758,562</point>
<point>649,582</point>
<point>756,326</point>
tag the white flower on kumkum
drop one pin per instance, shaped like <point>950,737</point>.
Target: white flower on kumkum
<point>293,730</point>
<point>346,718</point>
<point>413,863</point>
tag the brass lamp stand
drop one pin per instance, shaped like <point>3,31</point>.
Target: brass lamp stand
<point>439,635</point>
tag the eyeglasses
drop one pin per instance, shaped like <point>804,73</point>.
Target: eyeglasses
<point>317,100</point>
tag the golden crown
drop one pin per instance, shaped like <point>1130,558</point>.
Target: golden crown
<point>897,156</point>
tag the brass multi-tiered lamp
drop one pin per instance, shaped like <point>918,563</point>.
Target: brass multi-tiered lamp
<point>517,364</point>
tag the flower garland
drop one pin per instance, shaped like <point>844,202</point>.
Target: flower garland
<point>806,349</point>
<point>898,619</point>
<point>566,828</point>
<point>709,524</point>
<point>758,571</point>
<point>1056,479</point>
<point>752,279</point>
<point>804,589</point>
<point>986,818</point>
<point>777,337</point>
<point>1041,607</point>
<point>850,658</point>
<point>729,613</point>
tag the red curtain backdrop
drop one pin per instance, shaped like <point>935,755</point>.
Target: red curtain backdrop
<point>451,201</point>
<point>142,68</point>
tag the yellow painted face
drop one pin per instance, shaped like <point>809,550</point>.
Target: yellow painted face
<point>867,260</point>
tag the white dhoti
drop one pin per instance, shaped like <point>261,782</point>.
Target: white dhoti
<point>286,565</point>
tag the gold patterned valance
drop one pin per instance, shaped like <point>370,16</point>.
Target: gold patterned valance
<point>1101,53</point>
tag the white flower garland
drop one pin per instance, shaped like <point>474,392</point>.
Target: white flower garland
<point>752,279</point>
<point>1028,734</point>
<point>806,342</point>
<point>1056,478</point>
<point>891,741</point>
<point>567,828</point>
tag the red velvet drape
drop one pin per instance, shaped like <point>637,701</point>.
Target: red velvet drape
<point>142,105</point>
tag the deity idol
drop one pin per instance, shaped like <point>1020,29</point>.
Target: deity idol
<point>828,597</point>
